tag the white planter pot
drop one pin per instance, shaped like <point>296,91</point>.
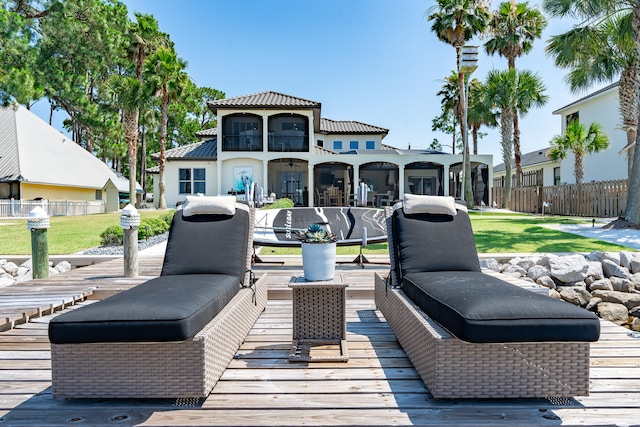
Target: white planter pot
<point>319,261</point>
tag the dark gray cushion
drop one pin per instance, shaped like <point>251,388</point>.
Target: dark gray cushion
<point>479,308</point>
<point>208,244</point>
<point>167,308</point>
<point>428,242</point>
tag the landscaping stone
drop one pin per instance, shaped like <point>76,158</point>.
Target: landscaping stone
<point>635,324</point>
<point>514,270</point>
<point>570,268</point>
<point>621,285</point>
<point>612,269</point>
<point>490,264</point>
<point>63,266</point>
<point>575,295</point>
<point>10,267</point>
<point>595,270</point>
<point>546,281</point>
<point>628,300</point>
<point>616,313</point>
<point>602,284</point>
<point>593,304</point>
<point>537,271</point>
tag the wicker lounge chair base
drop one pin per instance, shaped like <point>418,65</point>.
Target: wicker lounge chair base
<point>452,368</point>
<point>172,369</point>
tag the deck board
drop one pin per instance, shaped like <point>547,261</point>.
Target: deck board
<point>377,386</point>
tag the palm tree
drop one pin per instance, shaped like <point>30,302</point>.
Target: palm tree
<point>449,95</point>
<point>479,113</point>
<point>165,75</point>
<point>508,91</point>
<point>455,22</point>
<point>593,11</point>
<point>581,141</point>
<point>126,94</point>
<point>603,53</point>
<point>513,28</point>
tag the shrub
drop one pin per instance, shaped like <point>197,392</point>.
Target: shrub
<point>112,236</point>
<point>280,204</point>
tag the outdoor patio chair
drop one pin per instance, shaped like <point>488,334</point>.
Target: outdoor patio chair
<point>469,334</point>
<point>174,335</point>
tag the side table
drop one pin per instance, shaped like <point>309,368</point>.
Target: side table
<point>319,318</point>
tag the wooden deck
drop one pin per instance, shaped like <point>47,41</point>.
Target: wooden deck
<point>377,386</point>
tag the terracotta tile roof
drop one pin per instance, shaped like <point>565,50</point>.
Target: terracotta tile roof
<point>323,151</point>
<point>353,127</point>
<point>267,99</point>
<point>207,132</point>
<point>196,151</point>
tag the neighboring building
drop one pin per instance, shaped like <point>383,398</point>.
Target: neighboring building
<point>282,143</point>
<point>537,169</point>
<point>39,162</point>
<point>601,106</point>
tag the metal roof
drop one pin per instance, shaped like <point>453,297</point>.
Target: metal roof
<point>33,151</point>
<point>267,99</point>
<point>528,159</point>
<point>349,126</point>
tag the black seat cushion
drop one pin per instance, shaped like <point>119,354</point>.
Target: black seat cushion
<point>207,244</point>
<point>479,308</point>
<point>429,242</point>
<point>167,308</point>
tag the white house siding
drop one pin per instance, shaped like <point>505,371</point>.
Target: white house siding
<point>172,181</point>
<point>346,139</point>
<point>606,165</point>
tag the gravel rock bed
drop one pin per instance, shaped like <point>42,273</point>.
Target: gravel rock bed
<point>119,250</point>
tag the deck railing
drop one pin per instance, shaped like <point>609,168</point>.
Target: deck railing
<point>16,208</point>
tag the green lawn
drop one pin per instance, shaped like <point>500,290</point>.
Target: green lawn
<point>67,234</point>
<point>494,233</point>
<point>499,233</point>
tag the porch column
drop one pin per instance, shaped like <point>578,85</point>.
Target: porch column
<point>265,133</point>
<point>445,178</point>
<point>265,178</point>
<point>401,181</point>
<point>310,186</point>
<point>219,178</point>
<point>356,183</point>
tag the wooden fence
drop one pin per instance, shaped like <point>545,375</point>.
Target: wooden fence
<point>604,199</point>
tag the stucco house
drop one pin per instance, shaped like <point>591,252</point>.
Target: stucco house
<point>537,168</point>
<point>600,106</point>
<point>283,145</point>
<point>39,162</point>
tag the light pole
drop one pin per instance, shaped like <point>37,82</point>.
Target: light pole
<point>468,64</point>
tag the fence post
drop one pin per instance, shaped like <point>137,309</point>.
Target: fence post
<point>38,223</point>
<point>130,221</point>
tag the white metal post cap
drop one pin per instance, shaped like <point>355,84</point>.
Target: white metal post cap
<point>129,217</point>
<point>38,219</point>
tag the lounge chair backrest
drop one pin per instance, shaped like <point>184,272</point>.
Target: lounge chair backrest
<point>210,244</point>
<point>429,242</point>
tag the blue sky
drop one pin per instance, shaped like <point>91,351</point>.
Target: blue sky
<point>374,61</point>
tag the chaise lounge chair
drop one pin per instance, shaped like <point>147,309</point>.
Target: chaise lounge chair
<point>172,336</point>
<point>468,334</point>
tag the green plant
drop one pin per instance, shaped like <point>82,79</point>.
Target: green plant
<point>113,235</point>
<point>280,204</point>
<point>315,233</point>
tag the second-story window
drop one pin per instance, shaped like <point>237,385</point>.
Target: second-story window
<point>353,145</point>
<point>337,145</point>
<point>370,145</point>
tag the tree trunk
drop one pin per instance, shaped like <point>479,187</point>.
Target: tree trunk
<point>517,155</point>
<point>162,201</point>
<point>130,119</point>
<point>628,94</point>
<point>143,163</point>
<point>578,166</point>
<point>632,212</point>
<point>506,142</point>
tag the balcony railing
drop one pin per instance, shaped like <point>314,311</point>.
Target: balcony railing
<point>279,143</point>
<point>289,143</point>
